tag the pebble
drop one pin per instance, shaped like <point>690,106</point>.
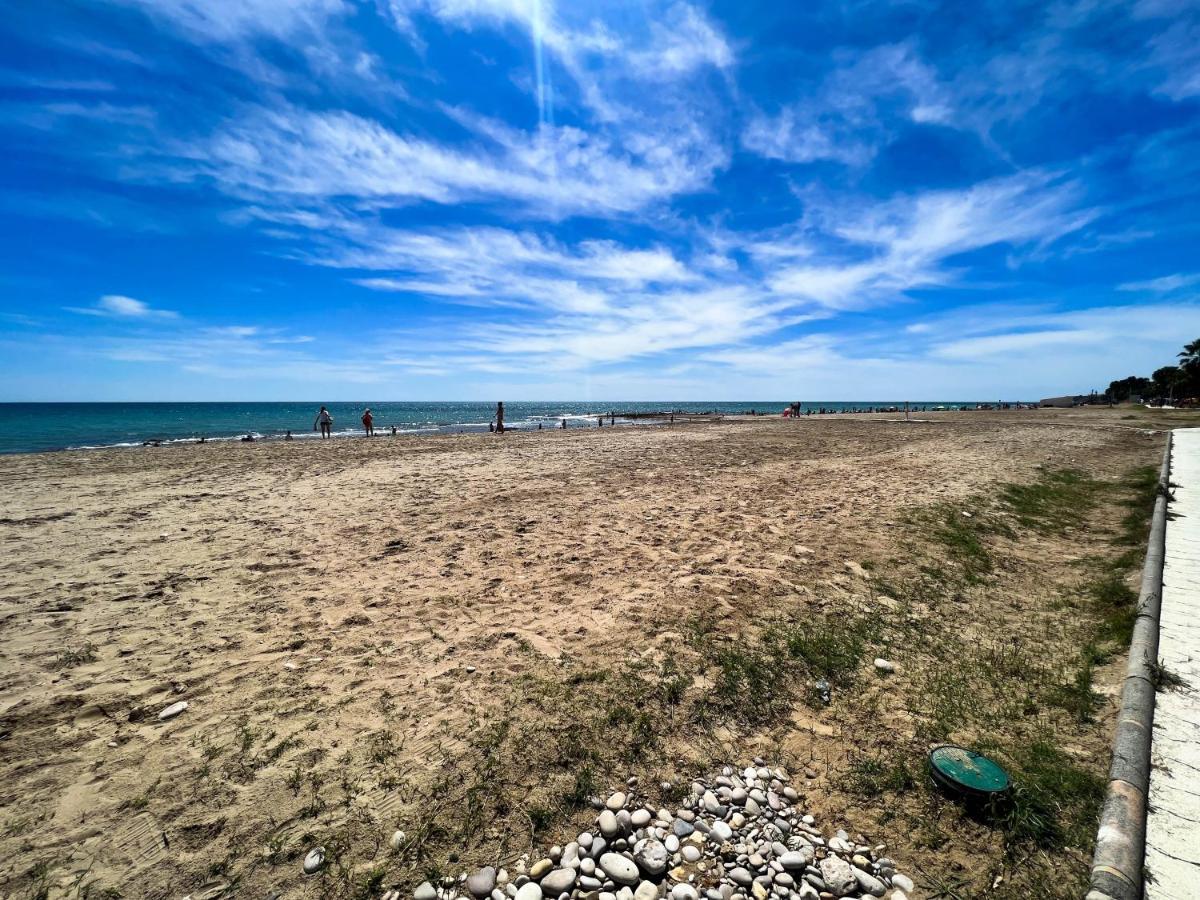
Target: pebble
<point>397,840</point>
<point>797,860</point>
<point>740,834</point>
<point>740,875</point>
<point>838,876</point>
<point>608,824</point>
<point>558,881</point>
<point>651,857</point>
<point>482,882</point>
<point>869,883</point>
<point>315,860</point>
<point>884,665</point>
<point>619,868</point>
<point>682,829</point>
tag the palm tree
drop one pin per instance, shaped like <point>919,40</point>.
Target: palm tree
<point>1189,357</point>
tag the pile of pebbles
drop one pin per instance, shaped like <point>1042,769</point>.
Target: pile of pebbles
<point>738,836</point>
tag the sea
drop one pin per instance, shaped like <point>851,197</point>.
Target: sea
<point>42,427</point>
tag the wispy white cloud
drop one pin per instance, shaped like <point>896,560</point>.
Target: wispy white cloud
<point>910,239</point>
<point>849,116</point>
<point>116,306</point>
<point>228,20</point>
<point>287,156</point>
<point>1163,284</point>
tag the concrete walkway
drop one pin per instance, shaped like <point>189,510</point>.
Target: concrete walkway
<point>1173,824</point>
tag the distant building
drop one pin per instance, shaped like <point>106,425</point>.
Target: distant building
<point>1062,402</point>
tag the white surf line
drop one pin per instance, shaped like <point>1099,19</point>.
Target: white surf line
<point>1173,823</point>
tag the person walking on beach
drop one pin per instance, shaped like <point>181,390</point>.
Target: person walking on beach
<point>325,420</point>
<point>368,422</point>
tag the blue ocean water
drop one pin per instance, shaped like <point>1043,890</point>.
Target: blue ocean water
<point>36,427</point>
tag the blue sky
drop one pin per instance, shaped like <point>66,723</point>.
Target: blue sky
<point>531,199</point>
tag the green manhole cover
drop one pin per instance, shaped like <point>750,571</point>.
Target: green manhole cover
<point>967,773</point>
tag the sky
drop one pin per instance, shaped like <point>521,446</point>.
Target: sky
<point>567,199</point>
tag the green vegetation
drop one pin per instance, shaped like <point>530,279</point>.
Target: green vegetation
<point>1054,803</point>
<point>69,657</point>
<point>1057,500</point>
<point>1169,382</point>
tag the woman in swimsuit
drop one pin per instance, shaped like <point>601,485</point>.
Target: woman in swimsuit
<point>325,420</point>
<point>369,423</point>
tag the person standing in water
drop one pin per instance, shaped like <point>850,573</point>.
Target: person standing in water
<point>325,420</point>
<point>368,422</point>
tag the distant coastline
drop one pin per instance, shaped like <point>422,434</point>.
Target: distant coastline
<point>48,427</point>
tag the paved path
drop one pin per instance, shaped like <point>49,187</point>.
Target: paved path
<point>1173,825</point>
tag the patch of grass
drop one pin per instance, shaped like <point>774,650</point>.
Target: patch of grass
<point>69,657</point>
<point>750,681</point>
<point>959,541</point>
<point>1054,802</point>
<point>1077,696</point>
<point>582,790</point>
<point>1164,679</point>
<point>1057,500</point>
<point>872,776</point>
<point>1115,604</point>
<point>370,882</point>
<point>540,818</point>
<point>830,648</point>
<point>1142,484</point>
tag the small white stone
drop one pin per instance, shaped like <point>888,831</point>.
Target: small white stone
<point>314,861</point>
<point>172,711</point>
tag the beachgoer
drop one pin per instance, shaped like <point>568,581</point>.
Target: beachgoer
<point>248,439</point>
<point>325,420</point>
<point>288,436</point>
<point>393,431</point>
<point>564,425</point>
<point>491,427</point>
<point>368,421</point>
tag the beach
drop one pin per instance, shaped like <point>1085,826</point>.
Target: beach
<point>366,630</point>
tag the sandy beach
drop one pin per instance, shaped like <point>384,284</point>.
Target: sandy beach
<point>404,633</point>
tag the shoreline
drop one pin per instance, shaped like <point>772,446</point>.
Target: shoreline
<point>584,422</point>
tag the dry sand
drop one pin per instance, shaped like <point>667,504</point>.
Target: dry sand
<point>304,598</point>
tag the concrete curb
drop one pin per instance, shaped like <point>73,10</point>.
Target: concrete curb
<point>1121,839</point>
